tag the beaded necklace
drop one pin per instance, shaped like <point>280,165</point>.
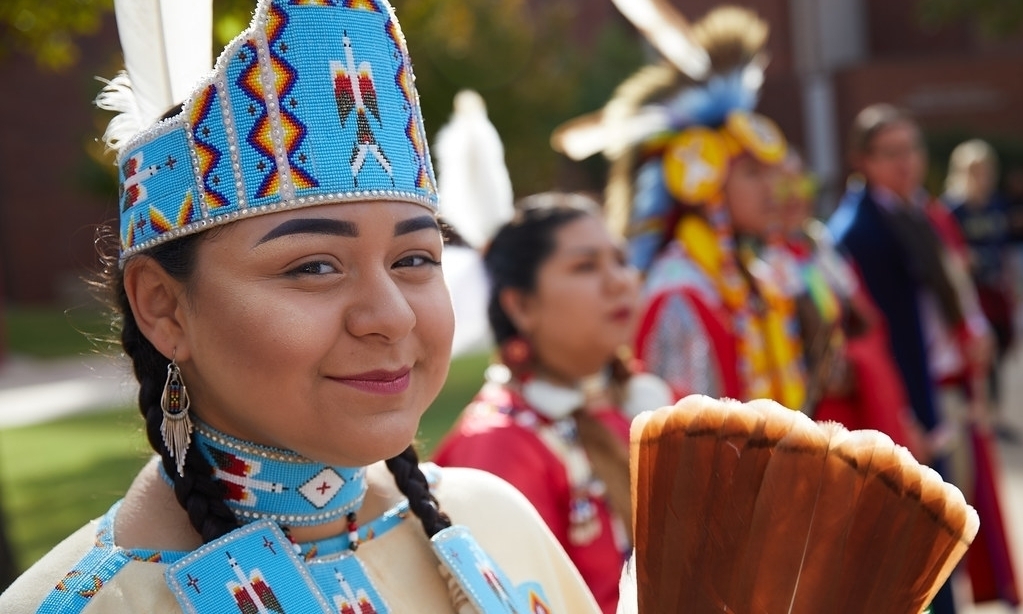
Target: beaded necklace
<point>546,409</point>
<point>763,320</point>
<point>279,485</point>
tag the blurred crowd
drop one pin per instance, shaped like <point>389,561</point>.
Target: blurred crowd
<point>895,312</point>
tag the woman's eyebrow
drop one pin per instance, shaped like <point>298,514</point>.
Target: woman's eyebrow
<point>423,222</point>
<point>322,226</point>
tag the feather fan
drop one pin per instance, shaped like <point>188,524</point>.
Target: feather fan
<point>751,507</point>
<point>167,47</point>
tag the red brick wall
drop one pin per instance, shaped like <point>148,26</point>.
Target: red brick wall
<point>978,94</point>
<point>48,215</point>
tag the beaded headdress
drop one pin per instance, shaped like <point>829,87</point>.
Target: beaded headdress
<point>313,103</point>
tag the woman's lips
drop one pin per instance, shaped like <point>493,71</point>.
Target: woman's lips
<point>378,382</point>
<point>621,315</point>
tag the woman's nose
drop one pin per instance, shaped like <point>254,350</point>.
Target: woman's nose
<point>621,278</point>
<point>380,308</point>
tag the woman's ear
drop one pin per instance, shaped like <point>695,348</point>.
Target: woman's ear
<point>519,308</point>
<point>156,301</point>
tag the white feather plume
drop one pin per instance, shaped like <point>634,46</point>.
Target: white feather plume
<point>167,46</point>
<point>475,188</point>
<point>476,199</point>
<point>668,31</point>
<point>593,133</point>
<point>467,281</point>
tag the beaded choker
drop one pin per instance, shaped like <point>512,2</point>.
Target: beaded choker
<point>279,485</point>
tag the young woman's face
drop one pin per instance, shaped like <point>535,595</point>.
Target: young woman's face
<point>585,303</point>
<point>895,160</point>
<point>749,194</point>
<point>326,331</point>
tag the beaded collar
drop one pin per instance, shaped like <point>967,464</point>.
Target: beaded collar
<point>279,485</point>
<point>552,401</point>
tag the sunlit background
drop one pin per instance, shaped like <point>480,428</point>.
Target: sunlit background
<point>958,64</point>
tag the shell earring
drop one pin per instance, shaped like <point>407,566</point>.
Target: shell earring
<point>176,427</point>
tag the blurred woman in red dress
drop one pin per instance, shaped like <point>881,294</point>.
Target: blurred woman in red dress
<point>553,417</point>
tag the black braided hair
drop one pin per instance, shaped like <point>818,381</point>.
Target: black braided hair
<point>197,492</point>
<point>522,245</point>
<point>413,484</point>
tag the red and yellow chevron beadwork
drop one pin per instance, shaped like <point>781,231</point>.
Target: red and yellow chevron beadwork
<point>361,5</point>
<point>207,155</point>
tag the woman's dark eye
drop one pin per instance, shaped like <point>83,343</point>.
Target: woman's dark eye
<point>416,261</point>
<point>317,267</point>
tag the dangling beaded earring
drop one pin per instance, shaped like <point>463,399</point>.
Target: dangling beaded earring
<point>176,427</point>
<point>516,354</point>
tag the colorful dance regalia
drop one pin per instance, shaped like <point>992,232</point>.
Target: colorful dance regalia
<point>382,565</point>
<point>853,377</point>
<point>715,320</point>
<point>527,436</point>
<point>704,333</point>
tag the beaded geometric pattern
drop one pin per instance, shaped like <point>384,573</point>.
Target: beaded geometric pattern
<point>482,581</point>
<point>315,102</point>
<point>97,568</point>
<point>262,482</point>
<point>255,570</point>
<point>251,569</point>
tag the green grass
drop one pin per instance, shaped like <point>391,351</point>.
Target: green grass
<point>50,332</point>
<point>56,476</point>
<point>464,381</point>
<point>59,474</point>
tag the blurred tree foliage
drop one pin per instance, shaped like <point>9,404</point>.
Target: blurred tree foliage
<point>521,56</point>
<point>525,62</point>
<point>996,18</point>
<point>47,29</point>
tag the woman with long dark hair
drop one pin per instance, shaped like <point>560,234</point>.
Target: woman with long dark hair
<point>553,417</point>
<point>281,301</point>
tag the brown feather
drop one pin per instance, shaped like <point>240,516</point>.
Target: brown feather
<point>858,548</point>
<point>954,525</point>
<point>653,438</point>
<point>727,512</point>
<point>839,490</point>
<point>749,478</point>
<point>784,511</point>
<point>882,516</point>
<point>699,424</point>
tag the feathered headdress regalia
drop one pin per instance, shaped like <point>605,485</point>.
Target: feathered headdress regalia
<point>671,130</point>
<point>315,102</point>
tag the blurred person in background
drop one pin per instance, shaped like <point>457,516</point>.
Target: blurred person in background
<point>1013,183</point>
<point>692,188</point>
<point>981,211</point>
<point>852,377</point>
<point>903,249</point>
<point>553,416</point>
